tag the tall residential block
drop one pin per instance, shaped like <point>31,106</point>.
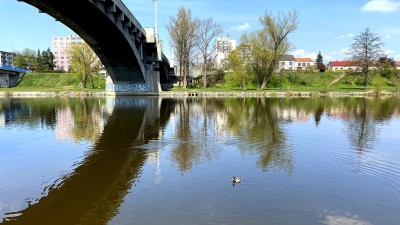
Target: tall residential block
<point>223,47</point>
<point>60,46</point>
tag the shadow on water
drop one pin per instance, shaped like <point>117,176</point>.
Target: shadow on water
<point>92,193</point>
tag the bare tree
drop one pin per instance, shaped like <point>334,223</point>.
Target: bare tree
<point>182,31</point>
<point>208,31</point>
<point>365,50</point>
<point>278,28</point>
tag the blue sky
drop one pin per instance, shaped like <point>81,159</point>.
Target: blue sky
<point>326,26</point>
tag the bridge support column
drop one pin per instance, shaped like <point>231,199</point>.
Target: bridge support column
<point>150,87</point>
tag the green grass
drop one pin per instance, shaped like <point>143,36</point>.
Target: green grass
<point>293,81</point>
<point>56,82</point>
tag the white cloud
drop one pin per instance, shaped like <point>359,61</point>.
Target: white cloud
<point>344,50</point>
<point>301,53</point>
<point>342,220</point>
<point>348,35</point>
<point>244,26</point>
<point>389,52</point>
<point>397,57</point>
<point>385,6</point>
<point>390,32</point>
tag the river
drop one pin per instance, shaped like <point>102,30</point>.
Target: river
<point>151,160</point>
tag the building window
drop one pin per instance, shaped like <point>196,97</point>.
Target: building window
<point>290,63</point>
<point>304,64</point>
<point>308,64</point>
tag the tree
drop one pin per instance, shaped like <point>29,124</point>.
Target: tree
<point>277,30</point>
<point>238,64</point>
<point>48,60</point>
<point>387,67</point>
<point>26,59</point>
<point>45,60</point>
<point>365,50</point>
<point>84,62</point>
<point>39,63</point>
<point>319,62</point>
<point>257,46</point>
<point>208,31</point>
<point>182,31</point>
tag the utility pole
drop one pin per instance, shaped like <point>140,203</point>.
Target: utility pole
<point>156,19</point>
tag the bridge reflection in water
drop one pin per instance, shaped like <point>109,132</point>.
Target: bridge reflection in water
<point>92,193</point>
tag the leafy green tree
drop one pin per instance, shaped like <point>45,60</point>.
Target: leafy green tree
<point>276,31</point>
<point>84,62</point>
<point>387,67</point>
<point>39,63</point>
<point>365,50</point>
<point>237,63</point>
<point>26,59</point>
<point>48,60</point>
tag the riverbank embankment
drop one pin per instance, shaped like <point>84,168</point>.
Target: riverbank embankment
<point>181,94</point>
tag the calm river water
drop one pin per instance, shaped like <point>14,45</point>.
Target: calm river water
<point>304,161</point>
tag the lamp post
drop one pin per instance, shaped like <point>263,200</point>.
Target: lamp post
<point>156,19</point>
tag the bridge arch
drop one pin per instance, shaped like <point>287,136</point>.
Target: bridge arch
<point>110,30</point>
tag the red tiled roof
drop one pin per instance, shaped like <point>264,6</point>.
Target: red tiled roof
<point>303,60</point>
<point>397,63</point>
<point>343,63</point>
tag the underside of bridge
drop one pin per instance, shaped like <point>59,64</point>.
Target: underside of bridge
<point>116,37</point>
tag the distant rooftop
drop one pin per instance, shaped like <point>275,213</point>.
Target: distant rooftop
<point>287,58</point>
<point>303,60</point>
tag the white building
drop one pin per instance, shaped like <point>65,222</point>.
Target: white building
<point>60,46</point>
<point>303,63</point>
<point>223,47</point>
<point>6,58</point>
<point>286,62</point>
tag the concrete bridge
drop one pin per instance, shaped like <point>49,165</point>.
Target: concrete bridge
<point>131,54</point>
<point>11,76</point>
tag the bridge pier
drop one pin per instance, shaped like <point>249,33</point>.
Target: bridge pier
<point>152,85</point>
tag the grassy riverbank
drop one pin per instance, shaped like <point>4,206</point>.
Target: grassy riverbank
<point>286,83</point>
<point>55,82</point>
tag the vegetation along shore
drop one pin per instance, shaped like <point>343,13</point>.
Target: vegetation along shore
<point>303,83</point>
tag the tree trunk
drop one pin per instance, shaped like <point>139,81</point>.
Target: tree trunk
<point>366,81</point>
<point>205,72</point>
<point>91,77</point>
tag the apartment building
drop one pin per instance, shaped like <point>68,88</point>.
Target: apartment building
<point>6,58</point>
<point>223,47</point>
<point>60,48</point>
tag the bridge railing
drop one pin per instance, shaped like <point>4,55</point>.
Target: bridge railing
<point>13,68</point>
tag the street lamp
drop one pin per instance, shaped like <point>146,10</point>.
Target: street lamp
<point>155,15</point>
